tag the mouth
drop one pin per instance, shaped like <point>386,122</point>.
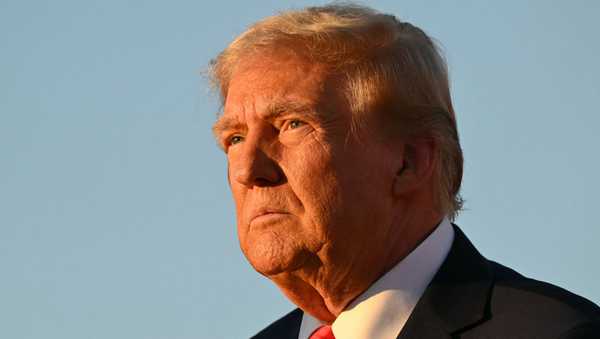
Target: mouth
<point>268,217</point>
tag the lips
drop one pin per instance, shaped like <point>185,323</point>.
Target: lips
<point>264,214</point>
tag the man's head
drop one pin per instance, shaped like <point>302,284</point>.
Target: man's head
<point>342,148</point>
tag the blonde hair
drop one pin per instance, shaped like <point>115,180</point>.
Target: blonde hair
<point>386,65</point>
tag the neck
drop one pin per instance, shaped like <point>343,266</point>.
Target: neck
<point>324,292</point>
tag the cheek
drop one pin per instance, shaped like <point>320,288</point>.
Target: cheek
<point>238,193</point>
<point>314,181</point>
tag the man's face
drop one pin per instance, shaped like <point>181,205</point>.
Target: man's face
<point>309,194</point>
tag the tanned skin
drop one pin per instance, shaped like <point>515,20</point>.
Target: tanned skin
<point>321,211</point>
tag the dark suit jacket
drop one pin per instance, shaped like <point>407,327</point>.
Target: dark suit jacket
<point>472,297</point>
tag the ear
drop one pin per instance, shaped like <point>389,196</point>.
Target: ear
<point>416,167</point>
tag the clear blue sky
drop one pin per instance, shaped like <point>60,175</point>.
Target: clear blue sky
<point>115,216</point>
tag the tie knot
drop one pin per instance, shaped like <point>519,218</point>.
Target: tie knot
<point>323,332</point>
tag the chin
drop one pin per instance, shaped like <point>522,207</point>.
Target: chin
<point>271,256</point>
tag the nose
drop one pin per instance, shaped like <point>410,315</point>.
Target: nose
<point>252,166</point>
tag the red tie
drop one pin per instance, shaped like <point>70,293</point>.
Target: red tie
<point>323,332</point>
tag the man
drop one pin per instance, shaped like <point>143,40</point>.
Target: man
<point>345,167</point>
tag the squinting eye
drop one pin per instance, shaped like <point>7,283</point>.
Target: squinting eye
<point>236,139</point>
<point>295,124</point>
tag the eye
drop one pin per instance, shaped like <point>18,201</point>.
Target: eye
<point>235,139</point>
<point>293,124</point>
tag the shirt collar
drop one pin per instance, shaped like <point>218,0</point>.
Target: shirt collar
<point>383,309</point>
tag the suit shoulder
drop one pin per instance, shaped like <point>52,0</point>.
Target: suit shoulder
<point>585,330</point>
<point>528,298</point>
<point>287,326</point>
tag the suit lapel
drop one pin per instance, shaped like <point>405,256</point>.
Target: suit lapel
<point>456,299</point>
<point>288,327</point>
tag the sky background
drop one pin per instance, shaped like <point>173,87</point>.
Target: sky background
<point>115,216</point>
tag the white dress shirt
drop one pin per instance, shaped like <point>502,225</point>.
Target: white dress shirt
<point>382,310</point>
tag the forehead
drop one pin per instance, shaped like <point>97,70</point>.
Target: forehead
<point>261,80</point>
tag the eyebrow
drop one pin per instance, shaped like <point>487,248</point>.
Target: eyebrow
<point>277,108</point>
<point>224,124</point>
<point>273,111</point>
